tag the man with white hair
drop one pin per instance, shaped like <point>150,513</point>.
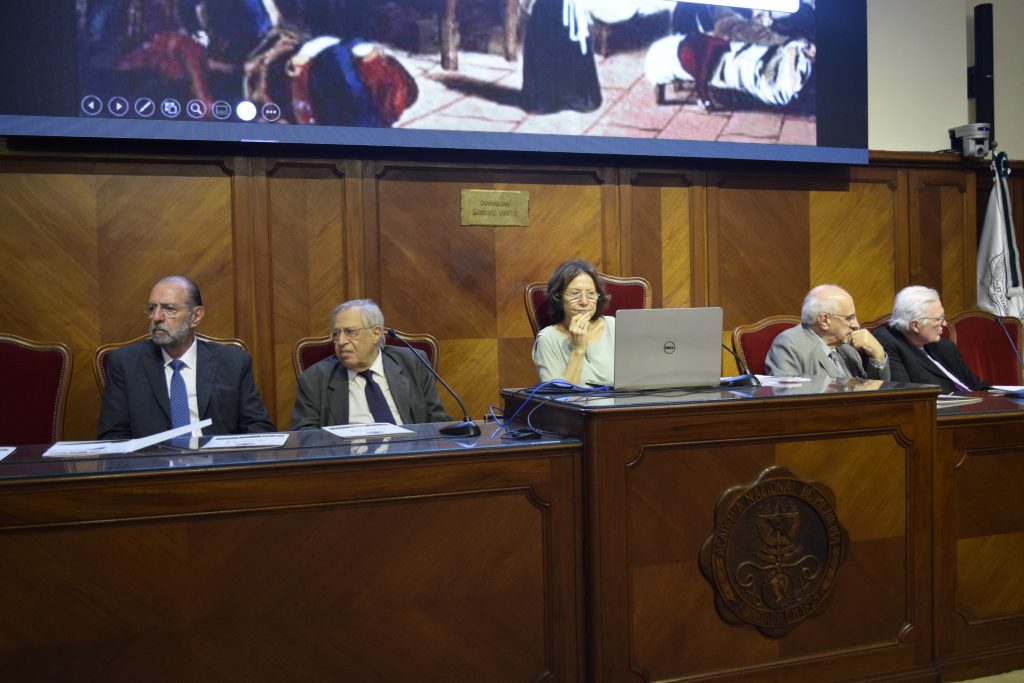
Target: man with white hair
<point>918,352</point>
<point>365,381</point>
<point>828,343</point>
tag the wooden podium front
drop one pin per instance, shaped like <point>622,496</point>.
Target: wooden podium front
<point>979,538</point>
<point>413,558</point>
<point>817,499</point>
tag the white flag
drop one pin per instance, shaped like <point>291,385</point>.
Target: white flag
<point>1000,289</point>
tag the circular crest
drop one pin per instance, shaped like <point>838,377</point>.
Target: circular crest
<point>775,551</point>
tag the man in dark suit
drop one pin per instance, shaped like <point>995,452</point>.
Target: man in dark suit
<point>172,378</point>
<point>365,381</point>
<point>913,340</point>
<point>828,343</point>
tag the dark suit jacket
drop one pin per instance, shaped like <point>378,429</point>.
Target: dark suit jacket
<point>135,401</point>
<point>910,365</point>
<point>321,398</point>
<point>799,352</point>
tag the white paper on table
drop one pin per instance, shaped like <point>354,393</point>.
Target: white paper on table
<point>947,400</point>
<point>6,450</point>
<point>775,381</point>
<point>356,431</point>
<point>66,449</point>
<point>1007,388</point>
<point>268,440</point>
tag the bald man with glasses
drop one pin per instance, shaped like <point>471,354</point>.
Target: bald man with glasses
<point>365,381</point>
<point>919,353</point>
<point>828,343</point>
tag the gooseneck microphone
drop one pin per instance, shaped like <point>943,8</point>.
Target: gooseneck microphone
<point>1009,338</point>
<point>465,428</point>
<point>747,379</point>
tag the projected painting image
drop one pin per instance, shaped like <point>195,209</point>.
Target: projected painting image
<point>622,68</point>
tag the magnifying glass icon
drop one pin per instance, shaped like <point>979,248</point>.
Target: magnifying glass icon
<point>196,109</point>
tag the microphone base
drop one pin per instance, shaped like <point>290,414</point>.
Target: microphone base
<point>466,428</point>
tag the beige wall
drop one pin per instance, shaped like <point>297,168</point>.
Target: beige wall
<point>918,53</point>
<point>917,73</point>
<point>1008,20</point>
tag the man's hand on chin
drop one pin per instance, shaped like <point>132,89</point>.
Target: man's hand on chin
<point>864,341</point>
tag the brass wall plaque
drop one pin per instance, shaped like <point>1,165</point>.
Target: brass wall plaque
<point>774,554</point>
<point>495,208</point>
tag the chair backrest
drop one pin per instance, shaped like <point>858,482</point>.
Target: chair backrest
<point>312,350</point>
<point>875,324</point>
<point>752,342</point>
<point>102,356</point>
<point>985,345</point>
<point>36,376</point>
<point>626,292</point>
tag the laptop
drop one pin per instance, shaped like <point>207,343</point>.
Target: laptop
<point>659,348</point>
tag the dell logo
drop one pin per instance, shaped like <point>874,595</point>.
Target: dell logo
<point>669,347</point>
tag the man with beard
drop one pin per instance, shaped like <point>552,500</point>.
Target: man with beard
<point>173,379</point>
<point>828,342</point>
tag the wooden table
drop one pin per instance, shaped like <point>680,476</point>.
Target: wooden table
<point>420,558</point>
<point>979,532</point>
<point>671,540</point>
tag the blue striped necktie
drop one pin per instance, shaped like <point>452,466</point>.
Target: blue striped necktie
<point>375,399</point>
<point>179,402</point>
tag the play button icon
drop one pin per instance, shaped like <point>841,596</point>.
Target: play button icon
<point>118,106</point>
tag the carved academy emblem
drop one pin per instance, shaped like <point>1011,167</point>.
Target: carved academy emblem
<point>775,551</point>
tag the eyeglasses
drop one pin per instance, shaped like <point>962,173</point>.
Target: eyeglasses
<point>576,295</point>
<point>941,319</point>
<point>848,318</point>
<point>169,310</point>
<point>347,332</point>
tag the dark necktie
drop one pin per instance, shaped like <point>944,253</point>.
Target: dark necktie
<point>375,399</point>
<point>960,386</point>
<point>179,402</point>
<point>838,362</point>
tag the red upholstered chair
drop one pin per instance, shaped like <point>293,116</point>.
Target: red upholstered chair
<point>626,292</point>
<point>102,356</point>
<point>985,346</point>
<point>751,342</point>
<point>312,350</point>
<point>36,376</point>
<point>876,323</point>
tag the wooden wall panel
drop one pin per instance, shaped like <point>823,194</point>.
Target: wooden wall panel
<point>666,246</point>
<point>943,240</point>
<point>49,231</point>
<point>464,284</point>
<point>855,240</point>
<point>758,245</point>
<point>100,234</point>
<point>306,208</point>
<point>276,243</point>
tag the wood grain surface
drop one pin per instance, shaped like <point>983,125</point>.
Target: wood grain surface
<point>277,242</point>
